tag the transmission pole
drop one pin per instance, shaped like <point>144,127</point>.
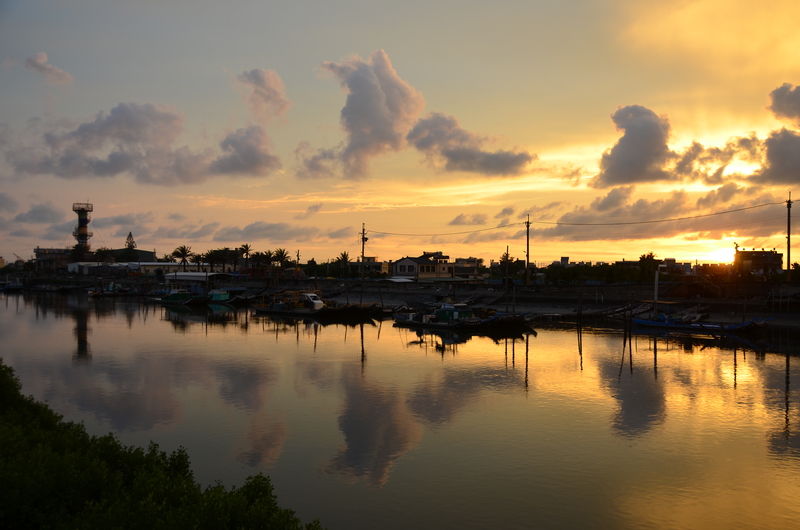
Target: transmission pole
<point>528,250</point>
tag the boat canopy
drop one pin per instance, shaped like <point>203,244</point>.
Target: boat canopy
<point>196,276</point>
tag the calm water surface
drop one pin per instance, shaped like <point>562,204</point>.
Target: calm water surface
<point>375,427</point>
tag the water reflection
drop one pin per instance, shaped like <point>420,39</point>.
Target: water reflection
<point>320,407</point>
<point>378,429</point>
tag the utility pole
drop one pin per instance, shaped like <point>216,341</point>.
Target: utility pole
<point>364,239</point>
<point>528,251</point>
<point>789,238</point>
<point>297,267</point>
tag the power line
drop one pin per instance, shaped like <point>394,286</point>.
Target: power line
<point>557,223</point>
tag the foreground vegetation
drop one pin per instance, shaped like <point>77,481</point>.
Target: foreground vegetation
<point>55,475</point>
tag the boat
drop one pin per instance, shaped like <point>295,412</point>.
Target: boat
<point>460,317</point>
<point>713,328</point>
<point>179,297</point>
<point>292,303</point>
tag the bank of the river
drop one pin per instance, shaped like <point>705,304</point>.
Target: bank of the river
<point>55,475</point>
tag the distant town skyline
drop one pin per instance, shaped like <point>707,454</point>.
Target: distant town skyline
<point>618,128</point>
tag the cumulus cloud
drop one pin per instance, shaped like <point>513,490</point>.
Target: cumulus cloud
<point>41,213</point>
<point>379,111</point>
<point>640,154</point>
<point>782,159</point>
<point>446,145</point>
<point>311,210</point>
<point>469,219</point>
<point>8,203</point>
<point>267,98</point>
<point>262,230</point>
<point>786,102</point>
<point>137,139</point>
<point>55,76</point>
<point>247,153</point>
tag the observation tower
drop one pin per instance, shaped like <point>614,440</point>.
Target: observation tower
<point>81,231</point>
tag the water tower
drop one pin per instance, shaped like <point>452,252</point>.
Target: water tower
<point>81,231</point>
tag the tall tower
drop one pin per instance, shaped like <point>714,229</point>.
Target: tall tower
<point>81,231</point>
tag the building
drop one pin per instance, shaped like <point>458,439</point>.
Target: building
<point>760,262</point>
<point>430,266</point>
<point>372,267</point>
<point>51,259</point>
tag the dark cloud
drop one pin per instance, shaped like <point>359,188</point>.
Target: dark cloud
<point>505,212</point>
<point>469,219</point>
<point>268,97</point>
<point>379,111</point>
<point>190,232</point>
<point>59,231</point>
<point>786,102</point>
<point>129,219</point>
<point>342,233</point>
<point>614,199</point>
<point>247,153</point>
<point>322,163</point>
<point>591,223</point>
<point>8,203</point>
<point>41,213</point>
<point>262,230</point>
<point>542,212</point>
<point>441,139</point>
<point>22,232</point>
<point>55,76</point>
<point>782,159</point>
<point>311,210</point>
<point>175,216</point>
<point>642,152</point>
<point>137,139</point>
<point>721,195</point>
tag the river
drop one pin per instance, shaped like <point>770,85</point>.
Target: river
<point>370,426</point>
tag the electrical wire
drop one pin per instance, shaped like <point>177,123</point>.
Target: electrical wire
<point>559,223</point>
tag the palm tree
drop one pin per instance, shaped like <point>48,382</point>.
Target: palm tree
<point>183,253</point>
<point>344,261</point>
<point>281,256</point>
<point>245,250</point>
<point>198,260</point>
<point>269,259</point>
<point>212,257</point>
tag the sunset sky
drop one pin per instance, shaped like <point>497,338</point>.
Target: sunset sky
<point>439,125</point>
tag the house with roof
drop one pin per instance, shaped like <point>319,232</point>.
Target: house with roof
<point>429,266</point>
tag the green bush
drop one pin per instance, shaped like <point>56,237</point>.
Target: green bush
<point>55,475</point>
